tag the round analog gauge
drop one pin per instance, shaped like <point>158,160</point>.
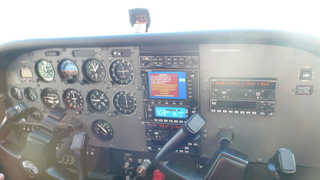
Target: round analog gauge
<point>45,70</point>
<point>94,70</point>
<point>73,99</point>
<point>121,72</point>
<point>98,101</point>
<point>50,98</point>
<point>17,93</point>
<point>125,102</point>
<point>68,71</point>
<point>35,114</point>
<point>102,130</point>
<point>30,94</point>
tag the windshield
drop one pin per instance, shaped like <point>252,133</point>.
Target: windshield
<point>42,19</point>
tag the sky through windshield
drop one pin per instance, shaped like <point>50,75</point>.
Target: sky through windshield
<point>49,19</point>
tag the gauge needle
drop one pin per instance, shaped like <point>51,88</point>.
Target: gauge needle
<point>126,100</point>
<point>95,100</point>
<point>103,129</point>
<point>50,97</point>
<point>95,70</point>
<point>122,71</point>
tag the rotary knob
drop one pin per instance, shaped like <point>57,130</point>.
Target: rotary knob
<point>234,94</point>
<point>268,110</point>
<point>270,95</point>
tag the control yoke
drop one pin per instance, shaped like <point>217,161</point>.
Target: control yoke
<point>225,163</point>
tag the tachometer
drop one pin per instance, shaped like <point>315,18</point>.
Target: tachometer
<point>73,99</point>
<point>125,102</point>
<point>102,130</point>
<point>68,71</point>
<point>94,70</point>
<point>45,70</point>
<point>98,101</point>
<point>16,93</point>
<point>121,72</point>
<point>35,114</point>
<point>30,94</point>
<point>50,98</point>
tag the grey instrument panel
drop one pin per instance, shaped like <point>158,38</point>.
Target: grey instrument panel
<point>295,114</point>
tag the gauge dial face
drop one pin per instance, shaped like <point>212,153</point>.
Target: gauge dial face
<point>125,102</point>
<point>121,72</point>
<point>102,130</point>
<point>94,71</point>
<point>73,99</point>
<point>35,114</point>
<point>98,101</point>
<point>68,71</point>
<point>45,70</point>
<point>17,93</point>
<point>30,94</point>
<point>50,98</point>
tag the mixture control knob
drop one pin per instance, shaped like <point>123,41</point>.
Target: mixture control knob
<point>270,95</point>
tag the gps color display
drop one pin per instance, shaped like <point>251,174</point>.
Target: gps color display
<point>170,112</point>
<point>167,85</point>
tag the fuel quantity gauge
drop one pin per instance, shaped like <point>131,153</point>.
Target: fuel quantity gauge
<point>30,94</point>
<point>17,93</point>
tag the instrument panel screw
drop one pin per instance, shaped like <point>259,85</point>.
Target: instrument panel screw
<point>205,131</point>
<point>205,136</point>
<point>205,155</point>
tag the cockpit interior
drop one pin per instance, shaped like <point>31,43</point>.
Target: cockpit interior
<point>221,104</point>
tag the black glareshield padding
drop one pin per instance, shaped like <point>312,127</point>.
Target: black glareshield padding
<point>174,169</point>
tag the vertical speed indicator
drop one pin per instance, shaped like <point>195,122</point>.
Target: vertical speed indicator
<point>98,101</point>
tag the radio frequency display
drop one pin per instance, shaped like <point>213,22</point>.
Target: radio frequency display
<point>170,112</point>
